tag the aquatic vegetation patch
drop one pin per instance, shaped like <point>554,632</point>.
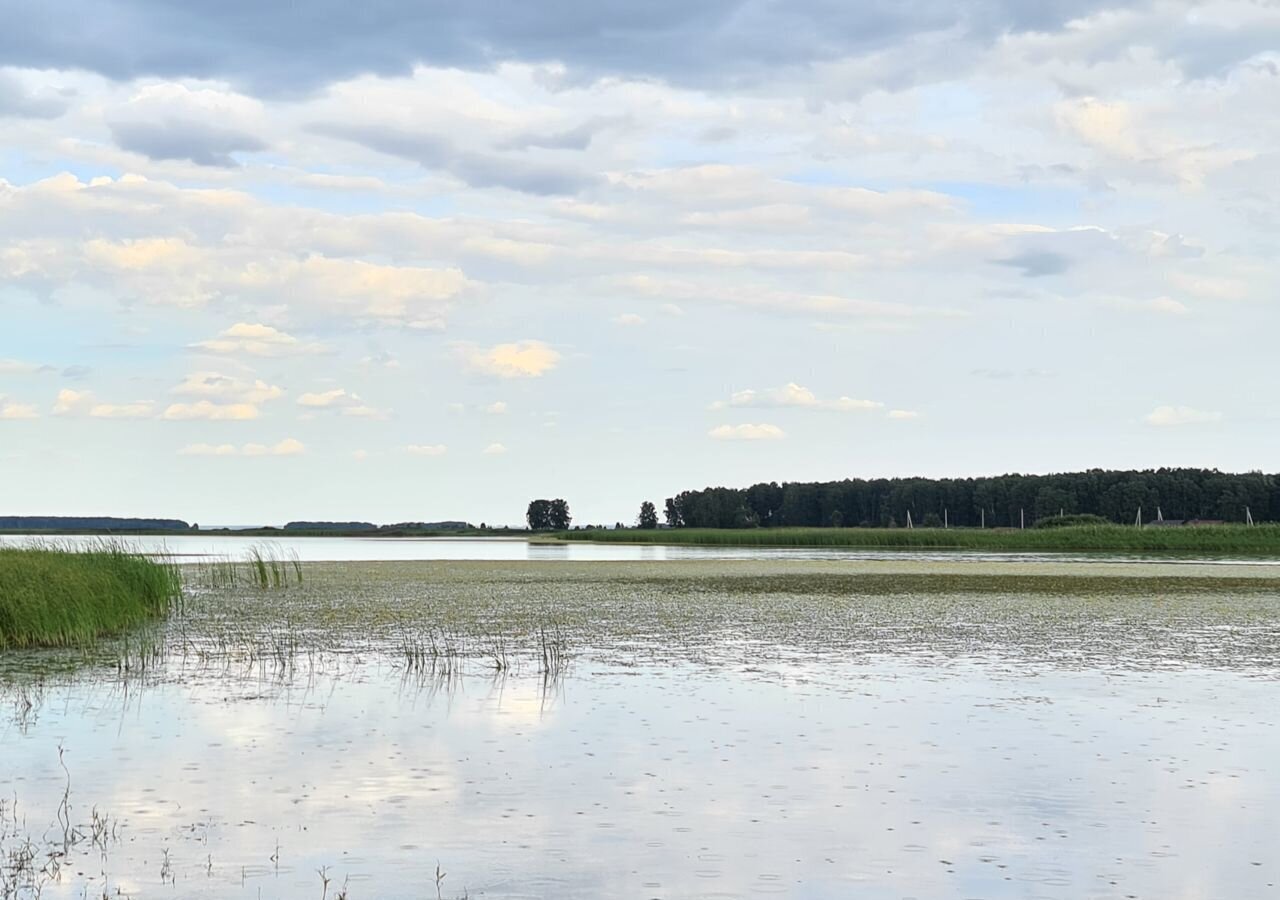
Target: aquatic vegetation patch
<point>443,618</point>
<point>52,596</point>
<point>431,623</point>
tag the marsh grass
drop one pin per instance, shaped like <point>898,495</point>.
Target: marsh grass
<point>435,652</point>
<point>262,567</point>
<point>59,596</point>
<point>1260,539</point>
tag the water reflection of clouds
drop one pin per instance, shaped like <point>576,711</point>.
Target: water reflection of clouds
<point>880,779</point>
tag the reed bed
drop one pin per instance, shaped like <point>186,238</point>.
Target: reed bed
<point>61,596</point>
<point>1259,540</point>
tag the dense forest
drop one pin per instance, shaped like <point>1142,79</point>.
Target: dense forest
<point>999,501</point>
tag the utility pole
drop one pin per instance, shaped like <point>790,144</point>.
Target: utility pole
<point>946,521</point>
<point>1248,517</point>
<point>984,517</point>
<point>1022,518</point>
<point>909,525</point>
<point>1138,523</point>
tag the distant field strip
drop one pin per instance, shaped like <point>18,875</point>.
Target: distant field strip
<point>1260,539</point>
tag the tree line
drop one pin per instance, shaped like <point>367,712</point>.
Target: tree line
<point>1000,501</point>
<point>89,523</point>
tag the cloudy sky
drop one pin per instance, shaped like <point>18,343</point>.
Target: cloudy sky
<point>407,260</point>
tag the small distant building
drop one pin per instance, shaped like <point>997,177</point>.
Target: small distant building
<point>1167,523</point>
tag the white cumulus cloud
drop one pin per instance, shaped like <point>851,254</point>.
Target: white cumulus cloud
<point>139,409</point>
<point>746,432</point>
<point>69,402</point>
<point>286,447</point>
<point>794,395</point>
<point>254,339</point>
<point>426,449</point>
<point>208,410</point>
<point>521,359</point>
<point>13,410</point>
<point>209,450</point>
<point>342,401</point>
<point>215,385</point>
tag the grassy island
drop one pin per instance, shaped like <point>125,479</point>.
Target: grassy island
<point>1257,540</point>
<point>57,597</point>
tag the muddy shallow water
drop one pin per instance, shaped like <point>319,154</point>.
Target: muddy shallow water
<point>719,729</point>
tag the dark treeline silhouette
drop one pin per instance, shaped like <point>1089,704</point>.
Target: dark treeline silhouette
<point>89,523</point>
<point>885,502</point>
<point>349,527</point>
<point>330,526</point>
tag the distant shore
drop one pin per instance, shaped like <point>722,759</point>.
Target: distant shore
<point>259,532</point>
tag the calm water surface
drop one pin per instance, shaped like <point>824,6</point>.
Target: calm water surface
<point>356,549</point>
<point>713,736</point>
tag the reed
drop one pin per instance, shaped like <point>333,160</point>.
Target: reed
<point>268,569</point>
<point>262,566</point>
<point>554,651</point>
<point>60,596</point>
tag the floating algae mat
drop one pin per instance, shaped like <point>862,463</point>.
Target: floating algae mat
<point>682,729</point>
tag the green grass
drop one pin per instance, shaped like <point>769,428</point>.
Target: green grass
<point>52,596</point>
<point>1261,539</point>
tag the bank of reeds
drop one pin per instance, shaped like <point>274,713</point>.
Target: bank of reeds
<point>62,596</point>
<point>1218,539</point>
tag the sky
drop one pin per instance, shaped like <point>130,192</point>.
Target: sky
<point>413,261</point>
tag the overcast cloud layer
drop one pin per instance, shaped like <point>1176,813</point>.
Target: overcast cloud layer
<point>423,262</point>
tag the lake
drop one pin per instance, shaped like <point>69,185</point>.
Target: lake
<point>352,549</point>
<point>697,728</point>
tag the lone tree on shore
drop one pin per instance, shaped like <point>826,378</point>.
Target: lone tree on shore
<point>548,515</point>
<point>648,517</point>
